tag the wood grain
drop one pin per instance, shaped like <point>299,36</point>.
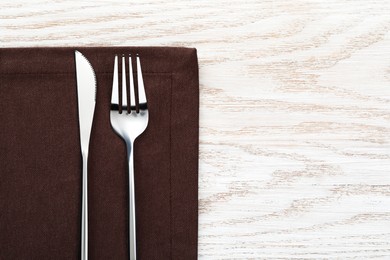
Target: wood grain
<point>295,113</point>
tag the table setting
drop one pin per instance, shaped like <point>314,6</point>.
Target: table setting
<point>99,153</point>
<point>270,140</point>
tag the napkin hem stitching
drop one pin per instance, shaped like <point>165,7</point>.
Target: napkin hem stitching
<point>59,73</point>
<point>170,171</point>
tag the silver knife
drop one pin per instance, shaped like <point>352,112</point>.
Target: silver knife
<point>86,93</point>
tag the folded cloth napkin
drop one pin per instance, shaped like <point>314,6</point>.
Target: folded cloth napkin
<point>40,158</point>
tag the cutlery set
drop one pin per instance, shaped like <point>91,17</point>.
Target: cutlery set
<point>129,118</point>
<point>99,166</point>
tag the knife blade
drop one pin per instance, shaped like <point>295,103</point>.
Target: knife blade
<point>86,94</point>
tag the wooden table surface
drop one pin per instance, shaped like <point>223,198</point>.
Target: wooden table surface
<point>294,115</point>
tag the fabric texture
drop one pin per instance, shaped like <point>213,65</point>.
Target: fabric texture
<point>41,166</point>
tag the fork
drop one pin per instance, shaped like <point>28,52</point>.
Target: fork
<point>129,121</point>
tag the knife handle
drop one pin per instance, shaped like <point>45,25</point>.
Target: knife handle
<point>84,209</point>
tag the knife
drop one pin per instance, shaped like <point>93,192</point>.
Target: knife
<point>86,93</point>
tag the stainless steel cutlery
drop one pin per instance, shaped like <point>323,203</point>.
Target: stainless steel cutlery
<point>86,93</point>
<point>129,118</point>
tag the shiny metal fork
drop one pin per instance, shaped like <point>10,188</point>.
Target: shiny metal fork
<point>129,122</point>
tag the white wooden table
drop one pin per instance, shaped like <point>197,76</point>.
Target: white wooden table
<point>294,116</point>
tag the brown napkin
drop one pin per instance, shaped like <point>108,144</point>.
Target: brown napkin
<point>40,159</point>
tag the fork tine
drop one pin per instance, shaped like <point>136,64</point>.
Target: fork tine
<point>141,87</point>
<point>115,93</point>
<point>131,78</point>
<point>124,92</point>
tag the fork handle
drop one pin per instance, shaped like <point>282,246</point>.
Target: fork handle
<point>84,209</point>
<point>132,226</point>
